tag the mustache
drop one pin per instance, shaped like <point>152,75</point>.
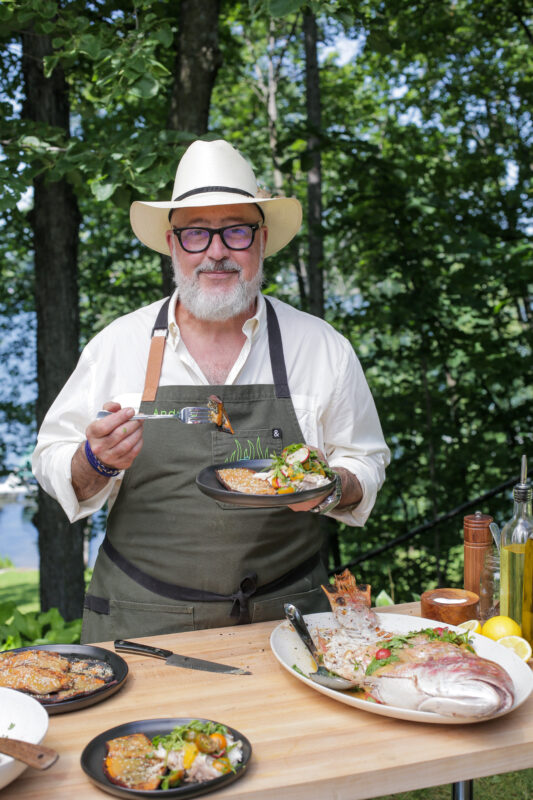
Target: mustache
<point>226,265</point>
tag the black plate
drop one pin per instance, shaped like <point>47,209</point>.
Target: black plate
<point>118,665</point>
<point>92,759</point>
<point>208,483</point>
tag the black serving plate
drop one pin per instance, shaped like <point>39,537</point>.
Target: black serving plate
<point>208,483</point>
<point>92,760</point>
<point>118,665</point>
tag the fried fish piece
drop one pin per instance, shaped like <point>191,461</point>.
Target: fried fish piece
<point>240,479</point>
<point>33,679</point>
<point>98,669</point>
<point>129,762</point>
<point>79,684</point>
<point>45,659</point>
<point>217,413</point>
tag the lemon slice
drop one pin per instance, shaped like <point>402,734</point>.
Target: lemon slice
<point>471,625</point>
<point>521,646</point>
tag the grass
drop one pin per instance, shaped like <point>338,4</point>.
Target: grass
<point>22,586</point>
<point>509,786</point>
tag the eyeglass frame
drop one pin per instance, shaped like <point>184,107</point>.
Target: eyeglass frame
<point>255,226</point>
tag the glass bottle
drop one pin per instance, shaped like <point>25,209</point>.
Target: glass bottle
<point>514,536</point>
<point>489,586</point>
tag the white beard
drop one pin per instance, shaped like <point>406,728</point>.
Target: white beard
<point>216,304</point>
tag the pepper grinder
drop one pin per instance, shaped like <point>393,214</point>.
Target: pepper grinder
<point>477,544</point>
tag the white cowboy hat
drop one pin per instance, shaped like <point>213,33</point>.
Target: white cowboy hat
<point>214,174</point>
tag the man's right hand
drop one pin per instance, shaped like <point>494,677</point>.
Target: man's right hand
<point>115,440</point>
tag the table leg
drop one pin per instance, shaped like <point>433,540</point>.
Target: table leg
<point>463,790</point>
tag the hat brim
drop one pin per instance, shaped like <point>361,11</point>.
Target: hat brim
<point>283,218</point>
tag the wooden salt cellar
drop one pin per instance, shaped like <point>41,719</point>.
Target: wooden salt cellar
<point>451,606</point>
<point>477,542</point>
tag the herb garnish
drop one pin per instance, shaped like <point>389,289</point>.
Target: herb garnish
<point>397,643</point>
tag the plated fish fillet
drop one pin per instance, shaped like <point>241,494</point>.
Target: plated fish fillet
<point>434,670</point>
<point>129,762</point>
<point>244,480</point>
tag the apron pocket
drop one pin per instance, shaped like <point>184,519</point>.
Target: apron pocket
<point>257,443</point>
<point>126,619</point>
<point>310,602</point>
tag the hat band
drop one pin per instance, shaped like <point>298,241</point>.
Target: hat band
<point>211,189</point>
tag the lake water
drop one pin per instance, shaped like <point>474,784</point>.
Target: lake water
<point>18,536</point>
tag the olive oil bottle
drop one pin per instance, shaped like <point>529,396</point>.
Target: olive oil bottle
<point>527,603</point>
<point>514,536</point>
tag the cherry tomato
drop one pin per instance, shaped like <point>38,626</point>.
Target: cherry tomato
<point>222,765</point>
<point>220,741</point>
<point>205,744</point>
<point>384,652</point>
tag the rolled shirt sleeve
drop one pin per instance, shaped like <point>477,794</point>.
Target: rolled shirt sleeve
<point>61,433</point>
<point>352,434</point>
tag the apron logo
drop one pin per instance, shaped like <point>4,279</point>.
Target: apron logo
<point>277,433</point>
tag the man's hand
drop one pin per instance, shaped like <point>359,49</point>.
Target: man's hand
<point>351,492</point>
<point>115,440</point>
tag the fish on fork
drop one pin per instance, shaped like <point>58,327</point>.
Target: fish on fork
<point>214,411</point>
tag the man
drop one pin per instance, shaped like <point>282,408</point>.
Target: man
<point>173,559</point>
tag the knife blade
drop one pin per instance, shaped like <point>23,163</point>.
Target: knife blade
<point>175,659</point>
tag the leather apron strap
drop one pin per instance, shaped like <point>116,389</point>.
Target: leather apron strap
<point>157,351</point>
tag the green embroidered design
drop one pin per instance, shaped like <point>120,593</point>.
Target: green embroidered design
<point>251,451</point>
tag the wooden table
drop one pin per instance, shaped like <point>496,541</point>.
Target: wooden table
<point>305,745</point>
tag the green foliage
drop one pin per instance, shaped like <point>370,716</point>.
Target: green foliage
<point>19,629</point>
<point>425,142</point>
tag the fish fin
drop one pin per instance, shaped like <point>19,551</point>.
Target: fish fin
<point>345,590</point>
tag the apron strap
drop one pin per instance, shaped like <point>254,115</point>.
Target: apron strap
<point>247,587</point>
<point>157,351</point>
<point>277,359</point>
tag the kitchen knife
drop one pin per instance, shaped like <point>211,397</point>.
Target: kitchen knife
<point>174,659</point>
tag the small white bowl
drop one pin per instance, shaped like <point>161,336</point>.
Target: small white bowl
<point>21,717</point>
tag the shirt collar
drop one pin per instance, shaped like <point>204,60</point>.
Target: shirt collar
<point>250,328</point>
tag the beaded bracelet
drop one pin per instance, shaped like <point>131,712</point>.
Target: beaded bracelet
<point>107,472</point>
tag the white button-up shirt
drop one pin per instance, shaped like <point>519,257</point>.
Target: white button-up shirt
<point>331,397</point>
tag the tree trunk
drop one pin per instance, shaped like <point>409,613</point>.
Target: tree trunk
<point>314,175</point>
<point>196,65</point>
<point>55,223</point>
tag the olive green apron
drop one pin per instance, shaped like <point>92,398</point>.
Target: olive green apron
<point>174,559</point>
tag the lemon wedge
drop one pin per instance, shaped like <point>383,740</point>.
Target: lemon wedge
<point>471,625</point>
<point>521,646</point>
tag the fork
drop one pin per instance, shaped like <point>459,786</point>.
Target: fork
<point>191,415</point>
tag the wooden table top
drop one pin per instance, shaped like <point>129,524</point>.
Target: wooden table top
<point>305,745</point>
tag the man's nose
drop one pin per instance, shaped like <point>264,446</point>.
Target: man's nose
<point>217,249</point>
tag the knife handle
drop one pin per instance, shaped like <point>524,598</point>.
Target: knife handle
<point>122,646</point>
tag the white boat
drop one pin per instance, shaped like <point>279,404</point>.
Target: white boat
<point>14,486</point>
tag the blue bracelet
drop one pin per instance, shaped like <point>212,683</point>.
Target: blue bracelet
<point>107,472</point>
